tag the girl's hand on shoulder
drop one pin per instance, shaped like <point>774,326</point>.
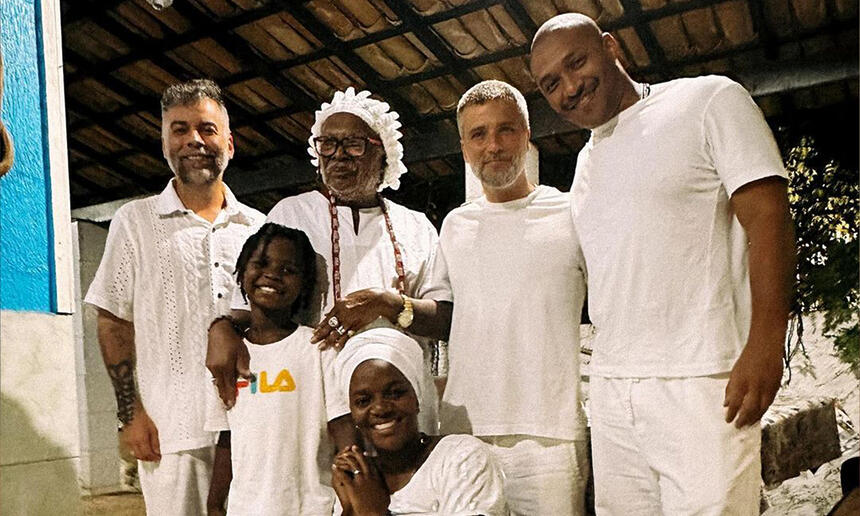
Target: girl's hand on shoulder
<point>360,482</point>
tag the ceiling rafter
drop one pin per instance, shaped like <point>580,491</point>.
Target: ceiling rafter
<point>274,7</point>
<point>139,100</point>
<point>524,22</point>
<point>655,52</point>
<point>760,26</point>
<point>430,39</point>
<point>259,65</point>
<point>137,184</point>
<point>407,112</point>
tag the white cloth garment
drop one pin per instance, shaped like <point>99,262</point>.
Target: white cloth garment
<point>280,451</point>
<point>390,345</point>
<point>518,283</point>
<point>662,446</point>
<point>667,262</point>
<point>459,478</point>
<point>366,259</point>
<point>178,484</point>
<point>170,272</point>
<point>669,294</point>
<point>542,475</point>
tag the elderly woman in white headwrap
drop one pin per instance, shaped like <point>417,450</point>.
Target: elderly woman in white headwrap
<point>376,252</point>
<point>404,471</point>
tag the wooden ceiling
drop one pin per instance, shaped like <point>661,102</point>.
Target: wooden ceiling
<point>278,60</point>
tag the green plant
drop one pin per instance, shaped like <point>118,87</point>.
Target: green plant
<point>823,201</point>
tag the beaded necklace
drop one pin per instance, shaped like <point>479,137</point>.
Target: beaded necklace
<point>335,245</point>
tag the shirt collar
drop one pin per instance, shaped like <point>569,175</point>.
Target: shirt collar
<point>169,203</point>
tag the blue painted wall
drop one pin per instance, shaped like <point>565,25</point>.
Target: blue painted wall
<point>26,239</point>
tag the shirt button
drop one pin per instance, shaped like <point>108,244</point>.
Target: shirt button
<point>220,295</point>
<point>213,230</point>
<point>217,264</point>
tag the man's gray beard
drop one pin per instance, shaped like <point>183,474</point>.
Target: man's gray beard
<point>192,176</point>
<point>502,181</point>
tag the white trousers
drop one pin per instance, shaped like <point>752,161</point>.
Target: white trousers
<point>542,476</point>
<point>178,484</point>
<point>662,446</point>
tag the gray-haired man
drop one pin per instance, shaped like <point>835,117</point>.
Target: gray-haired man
<point>166,272</point>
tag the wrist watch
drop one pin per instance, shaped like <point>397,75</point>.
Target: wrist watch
<point>404,318</point>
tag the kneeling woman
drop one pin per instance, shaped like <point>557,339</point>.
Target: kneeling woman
<point>404,471</point>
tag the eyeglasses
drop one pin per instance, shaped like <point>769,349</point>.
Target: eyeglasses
<point>354,146</point>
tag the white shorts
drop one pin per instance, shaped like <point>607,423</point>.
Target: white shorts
<point>662,446</point>
<point>542,475</point>
<point>178,484</point>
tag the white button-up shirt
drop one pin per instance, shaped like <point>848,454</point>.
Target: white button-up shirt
<point>170,272</point>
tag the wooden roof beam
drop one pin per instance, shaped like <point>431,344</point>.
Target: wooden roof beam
<point>273,7</point>
<point>655,52</point>
<point>406,110</point>
<point>430,39</point>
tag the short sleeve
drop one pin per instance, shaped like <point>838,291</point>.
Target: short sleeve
<point>112,288</point>
<point>437,285</point>
<point>216,414</point>
<point>738,139</point>
<point>472,482</point>
<point>336,401</point>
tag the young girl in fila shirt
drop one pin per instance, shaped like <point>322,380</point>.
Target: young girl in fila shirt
<point>273,454</point>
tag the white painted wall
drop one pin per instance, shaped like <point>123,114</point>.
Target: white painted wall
<point>100,462</point>
<point>39,449</point>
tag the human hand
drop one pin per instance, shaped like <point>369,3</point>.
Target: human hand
<point>141,436</point>
<point>358,484</point>
<point>753,384</point>
<point>354,312</point>
<point>226,358</point>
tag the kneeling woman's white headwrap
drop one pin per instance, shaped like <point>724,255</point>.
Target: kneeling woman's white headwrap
<point>379,117</point>
<point>388,344</point>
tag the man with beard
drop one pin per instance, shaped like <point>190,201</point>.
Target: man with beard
<point>166,272</point>
<point>376,251</point>
<point>510,260</point>
<point>679,198</point>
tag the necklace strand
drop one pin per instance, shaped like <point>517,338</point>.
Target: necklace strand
<point>335,246</point>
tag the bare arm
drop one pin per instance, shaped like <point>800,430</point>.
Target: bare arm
<point>227,356</point>
<point>762,209</point>
<point>222,475</point>
<point>116,340</point>
<point>431,318</point>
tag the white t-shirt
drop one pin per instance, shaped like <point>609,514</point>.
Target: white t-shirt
<point>518,282</point>
<point>366,258</point>
<point>667,262</point>
<point>280,451</point>
<point>170,272</point>
<point>460,477</point>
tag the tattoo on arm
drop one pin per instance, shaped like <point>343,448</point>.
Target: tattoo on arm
<point>122,377</point>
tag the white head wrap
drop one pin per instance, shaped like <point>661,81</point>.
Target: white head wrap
<point>379,117</point>
<point>388,344</point>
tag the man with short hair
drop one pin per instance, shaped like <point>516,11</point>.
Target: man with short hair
<point>679,199</point>
<point>166,272</point>
<point>510,261</point>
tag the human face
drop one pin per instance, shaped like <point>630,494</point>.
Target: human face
<point>351,178</point>
<point>494,142</point>
<point>196,141</point>
<point>383,405</point>
<point>273,278</point>
<point>576,70</point>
